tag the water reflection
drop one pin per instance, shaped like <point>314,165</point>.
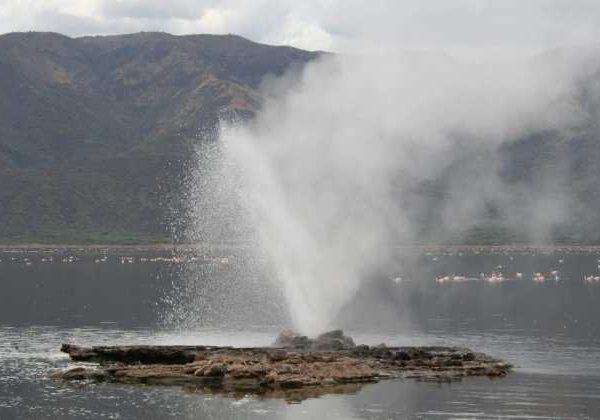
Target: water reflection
<point>291,396</point>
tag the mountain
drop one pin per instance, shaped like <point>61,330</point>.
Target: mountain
<point>97,137</point>
<point>95,132</point>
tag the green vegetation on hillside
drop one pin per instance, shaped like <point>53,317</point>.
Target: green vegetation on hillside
<point>96,133</point>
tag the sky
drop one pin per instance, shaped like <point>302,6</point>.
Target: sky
<point>334,25</point>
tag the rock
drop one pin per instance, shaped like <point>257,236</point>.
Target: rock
<point>276,355</point>
<point>361,350</point>
<point>83,374</point>
<point>323,365</point>
<point>215,369</point>
<point>332,334</point>
<point>329,341</point>
<point>131,354</point>
<point>285,368</point>
<point>293,382</point>
<point>292,340</point>
<point>382,352</point>
<point>332,340</point>
<point>402,355</point>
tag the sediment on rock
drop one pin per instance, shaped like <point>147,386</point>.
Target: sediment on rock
<point>294,367</point>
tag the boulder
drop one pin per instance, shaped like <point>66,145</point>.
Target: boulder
<point>292,340</point>
<point>330,341</point>
<point>333,340</point>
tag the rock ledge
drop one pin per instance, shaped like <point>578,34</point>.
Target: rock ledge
<point>295,368</point>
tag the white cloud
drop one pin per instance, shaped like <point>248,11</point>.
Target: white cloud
<point>303,34</point>
<point>326,24</point>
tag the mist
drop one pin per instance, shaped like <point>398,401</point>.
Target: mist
<point>339,166</point>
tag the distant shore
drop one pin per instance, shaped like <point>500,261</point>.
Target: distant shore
<point>164,248</point>
<point>171,247</point>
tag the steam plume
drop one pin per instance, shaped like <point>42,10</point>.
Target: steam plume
<point>332,171</point>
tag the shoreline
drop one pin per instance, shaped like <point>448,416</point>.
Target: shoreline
<point>170,247</point>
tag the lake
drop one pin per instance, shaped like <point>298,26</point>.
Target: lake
<point>538,310</point>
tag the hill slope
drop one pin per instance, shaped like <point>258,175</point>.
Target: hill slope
<point>88,126</point>
<point>96,135</point>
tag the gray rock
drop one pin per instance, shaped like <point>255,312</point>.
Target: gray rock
<point>329,341</point>
<point>333,340</point>
<point>292,340</point>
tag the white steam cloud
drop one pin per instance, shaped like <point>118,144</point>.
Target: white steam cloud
<point>328,170</point>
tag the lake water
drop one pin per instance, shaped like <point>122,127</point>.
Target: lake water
<point>549,329</point>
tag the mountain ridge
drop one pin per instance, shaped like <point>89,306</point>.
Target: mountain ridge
<point>97,137</point>
<point>121,111</point>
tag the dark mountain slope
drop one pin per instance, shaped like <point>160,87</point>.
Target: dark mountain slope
<point>88,125</point>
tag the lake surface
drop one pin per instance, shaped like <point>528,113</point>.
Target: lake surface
<point>549,329</point>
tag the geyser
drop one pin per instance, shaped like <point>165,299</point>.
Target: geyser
<point>331,171</point>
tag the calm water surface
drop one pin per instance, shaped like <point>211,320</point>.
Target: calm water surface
<point>549,330</point>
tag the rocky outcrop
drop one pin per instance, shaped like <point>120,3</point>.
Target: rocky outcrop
<point>296,367</point>
<point>332,340</point>
<point>167,355</point>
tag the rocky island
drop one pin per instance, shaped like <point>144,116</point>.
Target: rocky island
<point>295,367</point>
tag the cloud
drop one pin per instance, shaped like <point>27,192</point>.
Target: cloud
<point>339,25</point>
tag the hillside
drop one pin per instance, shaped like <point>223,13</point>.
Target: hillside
<point>95,131</point>
<point>96,135</point>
